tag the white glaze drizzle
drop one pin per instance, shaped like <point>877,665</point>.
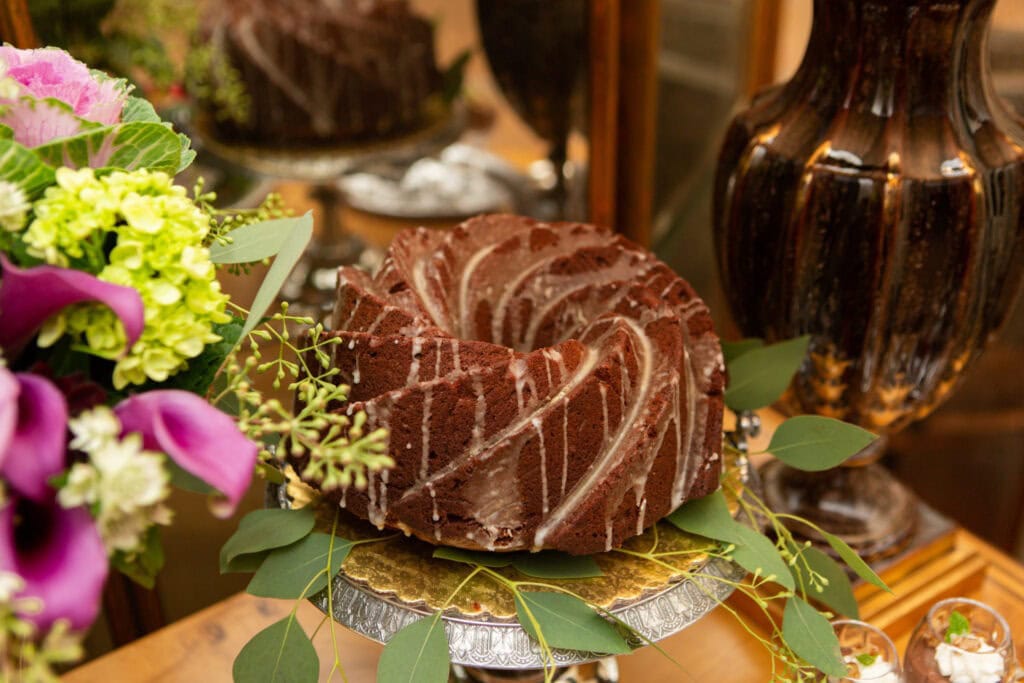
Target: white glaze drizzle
<point>538,425</point>
<point>414,364</point>
<point>428,397</point>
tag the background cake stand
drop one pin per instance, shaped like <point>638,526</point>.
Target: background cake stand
<point>386,590</point>
<point>312,282</point>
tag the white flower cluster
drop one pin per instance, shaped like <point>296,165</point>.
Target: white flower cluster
<point>123,484</point>
<point>14,206</point>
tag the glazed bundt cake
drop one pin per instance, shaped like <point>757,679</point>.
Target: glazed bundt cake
<point>543,385</point>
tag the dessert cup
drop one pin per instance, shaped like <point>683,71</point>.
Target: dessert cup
<point>870,654</point>
<point>979,652</point>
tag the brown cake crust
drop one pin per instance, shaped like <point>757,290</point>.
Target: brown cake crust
<point>321,71</point>
<point>543,385</point>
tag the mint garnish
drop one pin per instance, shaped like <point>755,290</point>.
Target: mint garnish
<point>865,659</point>
<point>958,626</point>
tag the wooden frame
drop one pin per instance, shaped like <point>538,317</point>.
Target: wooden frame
<point>624,45</point>
<point>16,24</point>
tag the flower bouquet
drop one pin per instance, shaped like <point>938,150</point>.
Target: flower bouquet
<point>118,348</point>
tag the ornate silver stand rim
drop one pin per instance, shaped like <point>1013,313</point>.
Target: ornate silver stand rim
<point>491,643</point>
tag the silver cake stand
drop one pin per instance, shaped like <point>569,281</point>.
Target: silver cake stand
<point>312,282</point>
<point>486,649</point>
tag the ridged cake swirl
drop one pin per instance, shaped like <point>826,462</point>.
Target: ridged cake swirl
<point>544,386</point>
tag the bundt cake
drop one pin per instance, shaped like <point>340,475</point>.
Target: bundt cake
<point>314,71</point>
<point>544,386</point>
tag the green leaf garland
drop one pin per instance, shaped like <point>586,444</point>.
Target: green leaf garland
<point>758,377</point>
<point>264,530</point>
<point>416,654</point>
<point>813,443</point>
<point>567,622</point>
<point>280,653</point>
<point>812,637</point>
<point>299,570</point>
<point>733,350</point>
<point>837,593</point>
<point>299,232</point>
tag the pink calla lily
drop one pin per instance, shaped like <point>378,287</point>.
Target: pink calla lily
<point>60,557</point>
<point>28,296</point>
<point>58,552</point>
<point>8,411</point>
<point>199,438</point>
<point>36,449</point>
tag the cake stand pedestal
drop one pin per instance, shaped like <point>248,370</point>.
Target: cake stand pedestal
<point>384,586</point>
<point>312,282</point>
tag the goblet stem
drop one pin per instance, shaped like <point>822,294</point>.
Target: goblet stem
<point>861,503</point>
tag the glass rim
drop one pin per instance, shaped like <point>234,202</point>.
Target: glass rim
<point>894,662</point>
<point>1002,644</point>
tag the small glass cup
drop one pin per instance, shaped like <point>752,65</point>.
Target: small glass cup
<point>857,638</point>
<point>920,662</point>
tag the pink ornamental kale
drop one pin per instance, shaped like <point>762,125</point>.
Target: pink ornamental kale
<point>46,94</point>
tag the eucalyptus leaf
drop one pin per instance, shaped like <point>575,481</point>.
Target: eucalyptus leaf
<point>416,654</point>
<point>266,529</point>
<point>492,560</point>
<point>245,564</point>
<point>129,146</point>
<point>754,552</point>
<point>551,564</point>
<point>300,231</point>
<point>300,569</point>
<point>814,443</point>
<point>254,242</point>
<point>758,377</point>
<point>709,517</point>
<point>733,350</point>
<point>280,653</point>
<point>567,622</point>
<point>838,594</point>
<point>811,637</point>
<point>853,560</point>
<point>23,168</point>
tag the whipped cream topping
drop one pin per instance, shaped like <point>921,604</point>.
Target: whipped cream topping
<point>961,666</point>
<point>879,671</point>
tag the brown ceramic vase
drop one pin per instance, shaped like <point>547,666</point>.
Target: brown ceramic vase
<point>876,203</point>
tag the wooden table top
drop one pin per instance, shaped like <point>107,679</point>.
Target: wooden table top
<point>203,646</point>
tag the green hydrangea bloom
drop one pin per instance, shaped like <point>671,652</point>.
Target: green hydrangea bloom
<point>140,230</point>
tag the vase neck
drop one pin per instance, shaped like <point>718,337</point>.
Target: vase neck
<point>868,52</point>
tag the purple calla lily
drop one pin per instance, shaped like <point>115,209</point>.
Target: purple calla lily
<point>36,449</point>
<point>60,556</point>
<point>199,438</point>
<point>28,296</point>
